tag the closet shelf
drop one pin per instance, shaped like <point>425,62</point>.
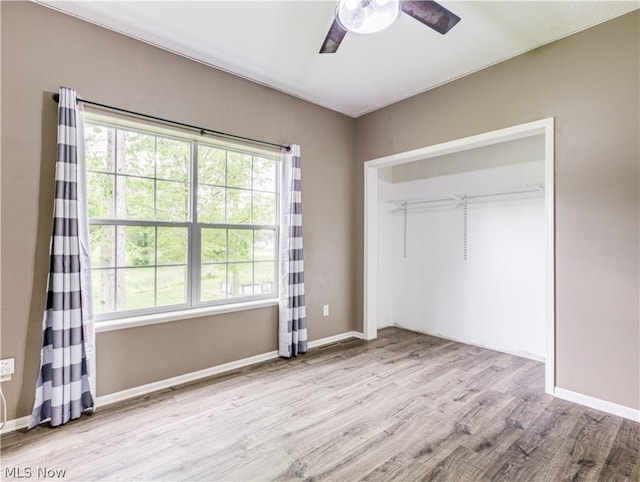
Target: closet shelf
<point>462,199</point>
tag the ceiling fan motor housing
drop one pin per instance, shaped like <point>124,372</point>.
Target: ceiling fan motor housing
<point>365,17</point>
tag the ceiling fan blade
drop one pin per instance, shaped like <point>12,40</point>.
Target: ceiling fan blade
<point>431,14</point>
<point>333,39</point>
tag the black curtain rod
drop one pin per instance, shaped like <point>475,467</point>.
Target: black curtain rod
<point>202,130</point>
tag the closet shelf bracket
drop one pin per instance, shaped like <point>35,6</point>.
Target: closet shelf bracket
<point>464,226</point>
<point>404,234</point>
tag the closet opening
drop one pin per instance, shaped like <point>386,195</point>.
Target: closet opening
<point>459,242</point>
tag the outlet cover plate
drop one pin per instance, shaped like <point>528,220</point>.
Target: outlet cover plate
<point>7,368</point>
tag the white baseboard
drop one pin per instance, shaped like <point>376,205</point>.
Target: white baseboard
<point>336,338</point>
<point>598,404</point>
<point>115,397</point>
<point>104,400</point>
<point>16,424</point>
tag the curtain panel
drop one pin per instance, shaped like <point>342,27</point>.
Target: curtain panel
<point>292,320</point>
<point>64,388</point>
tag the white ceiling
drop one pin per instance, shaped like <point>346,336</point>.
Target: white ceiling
<point>276,43</point>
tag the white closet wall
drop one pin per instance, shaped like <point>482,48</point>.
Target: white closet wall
<point>496,298</point>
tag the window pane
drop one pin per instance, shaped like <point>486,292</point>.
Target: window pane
<point>211,165</point>
<point>172,245</point>
<point>173,159</point>
<point>102,242</point>
<point>264,244</point>
<point>104,282</point>
<point>238,170</point>
<point>264,208</point>
<point>172,201</point>
<point>211,204</point>
<point>134,198</point>
<point>213,245</point>
<point>264,174</point>
<point>136,288</point>
<point>139,245</point>
<point>100,145</point>
<point>240,244</point>
<point>264,273</point>
<point>238,206</point>
<point>213,283</point>
<point>241,279</point>
<point>136,154</point>
<point>172,285</point>
<point>100,195</point>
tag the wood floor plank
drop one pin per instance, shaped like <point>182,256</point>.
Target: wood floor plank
<point>579,458</point>
<point>451,466</point>
<point>622,462</point>
<point>395,467</point>
<point>531,454</point>
<point>405,406</point>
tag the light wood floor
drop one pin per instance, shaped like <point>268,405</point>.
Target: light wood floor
<point>404,407</point>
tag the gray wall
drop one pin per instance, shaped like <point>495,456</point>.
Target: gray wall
<point>589,82</point>
<point>42,50</point>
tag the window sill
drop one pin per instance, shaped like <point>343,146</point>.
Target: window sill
<point>135,321</point>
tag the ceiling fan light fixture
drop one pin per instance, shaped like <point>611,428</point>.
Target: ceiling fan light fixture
<point>365,17</point>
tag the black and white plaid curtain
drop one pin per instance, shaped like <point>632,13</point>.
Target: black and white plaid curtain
<point>64,389</point>
<point>292,324</point>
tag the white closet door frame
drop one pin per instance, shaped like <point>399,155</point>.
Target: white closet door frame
<point>544,127</point>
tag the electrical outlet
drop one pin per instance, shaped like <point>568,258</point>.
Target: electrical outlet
<point>325,310</point>
<point>7,368</point>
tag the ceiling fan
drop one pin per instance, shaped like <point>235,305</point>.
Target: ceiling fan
<point>372,16</point>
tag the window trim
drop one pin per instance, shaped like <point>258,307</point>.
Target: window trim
<point>193,307</point>
<point>125,322</point>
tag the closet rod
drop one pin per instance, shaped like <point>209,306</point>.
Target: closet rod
<point>202,130</point>
<point>466,197</point>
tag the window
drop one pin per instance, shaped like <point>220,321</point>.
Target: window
<point>177,222</point>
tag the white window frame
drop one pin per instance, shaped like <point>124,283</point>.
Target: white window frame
<point>193,306</point>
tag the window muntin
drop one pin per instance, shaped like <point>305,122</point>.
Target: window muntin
<point>237,262</point>
<point>176,222</point>
<point>235,188</point>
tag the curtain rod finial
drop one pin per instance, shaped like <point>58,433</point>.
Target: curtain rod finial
<point>56,97</point>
